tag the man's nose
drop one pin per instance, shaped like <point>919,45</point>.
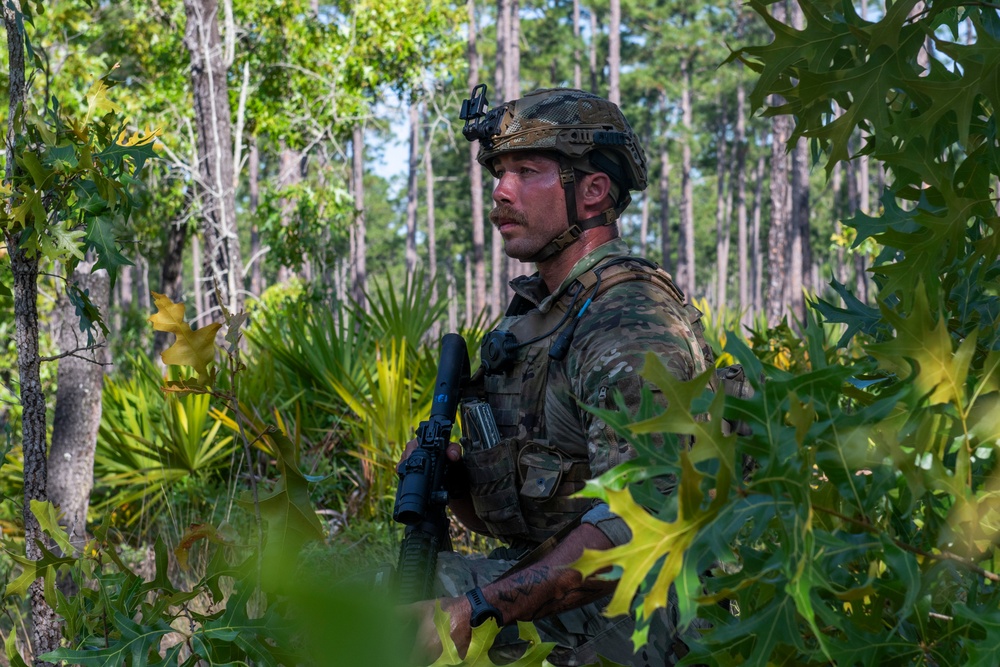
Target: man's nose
<point>503,192</point>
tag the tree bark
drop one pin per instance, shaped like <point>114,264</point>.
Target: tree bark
<point>644,225</point>
<point>256,256</point>
<point>213,124</point>
<point>498,261</point>
<point>592,59</point>
<point>685,256</point>
<point>739,203</point>
<point>512,80</point>
<point>756,251</point>
<point>512,84</point>
<point>432,258</point>
<point>577,68</point>
<point>721,219</point>
<point>615,52</point>
<point>289,174</point>
<point>778,233</point>
<point>837,186</point>
<point>503,37</point>
<point>665,245</point>
<point>45,626</point>
<point>411,189</point>
<point>801,255</point>
<point>78,408</point>
<point>359,245</point>
<point>798,228</point>
<point>476,179</point>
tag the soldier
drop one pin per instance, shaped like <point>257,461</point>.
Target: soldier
<point>576,332</point>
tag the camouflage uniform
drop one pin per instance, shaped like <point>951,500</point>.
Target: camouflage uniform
<point>521,488</point>
<point>551,445</point>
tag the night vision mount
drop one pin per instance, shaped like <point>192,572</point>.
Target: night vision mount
<point>479,123</point>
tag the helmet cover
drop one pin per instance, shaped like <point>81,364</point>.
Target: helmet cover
<point>578,125</point>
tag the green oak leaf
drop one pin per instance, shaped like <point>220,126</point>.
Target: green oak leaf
<point>13,655</point>
<point>32,570</point>
<point>133,645</point>
<point>103,233</point>
<point>939,371</point>
<point>48,519</point>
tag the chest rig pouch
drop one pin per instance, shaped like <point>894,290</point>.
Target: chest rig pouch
<point>519,487</point>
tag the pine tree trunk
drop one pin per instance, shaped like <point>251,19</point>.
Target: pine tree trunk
<point>739,203</point>
<point>756,248</point>
<point>411,190</point>
<point>778,236</point>
<point>45,626</point>
<point>359,250</point>
<point>837,186</point>
<point>143,302</point>
<point>256,256</point>
<point>512,80</point>
<point>200,300</point>
<point>644,225</point>
<point>800,260</point>
<point>126,287</point>
<point>592,54</point>
<point>577,67</point>
<point>476,179</point>
<point>289,175</point>
<point>213,124</point>
<point>798,227</point>
<point>78,407</point>
<point>721,221</point>
<point>503,36</point>
<point>512,84</point>
<point>665,245</point>
<point>685,256</point>
<point>469,297</point>
<point>615,52</point>
<point>432,258</point>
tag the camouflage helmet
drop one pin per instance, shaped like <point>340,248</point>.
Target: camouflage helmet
<point>575,124</point>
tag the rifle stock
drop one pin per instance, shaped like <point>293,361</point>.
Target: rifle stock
<point>421,497</point>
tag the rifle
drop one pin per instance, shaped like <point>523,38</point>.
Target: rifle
<point>421,497</point>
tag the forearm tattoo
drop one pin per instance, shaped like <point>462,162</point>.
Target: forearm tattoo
<point>522,590</point>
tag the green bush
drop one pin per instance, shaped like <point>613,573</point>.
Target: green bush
<point>152,445</point>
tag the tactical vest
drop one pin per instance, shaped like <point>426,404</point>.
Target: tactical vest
<point>520,487</point>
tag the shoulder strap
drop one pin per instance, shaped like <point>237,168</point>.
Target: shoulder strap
<point>626,269</point>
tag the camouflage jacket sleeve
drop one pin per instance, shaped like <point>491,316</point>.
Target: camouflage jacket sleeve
<point>608,352</point>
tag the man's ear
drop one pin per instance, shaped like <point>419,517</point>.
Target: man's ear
<point>594,189</point>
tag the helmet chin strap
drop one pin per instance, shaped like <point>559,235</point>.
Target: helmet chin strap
<point>576,227</point>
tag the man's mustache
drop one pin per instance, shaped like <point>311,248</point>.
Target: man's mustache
<point>507,212</point>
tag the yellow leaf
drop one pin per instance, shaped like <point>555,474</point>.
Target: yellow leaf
<point>923,345</point>
<point>139,138</point>
<point>98,100</point>
<point>652,539</point>
<point>192,348</point>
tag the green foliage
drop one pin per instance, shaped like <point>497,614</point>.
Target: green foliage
<point>315,227</point>
<point>151,443</point>
<point>368,371</point>
<point>933,129</point>
<point>119,618</point>
<point>867,530</point>
<point>478,655</point>
<point>74,176</point>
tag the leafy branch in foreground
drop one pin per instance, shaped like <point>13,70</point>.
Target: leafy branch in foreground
<point>868,530</point>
